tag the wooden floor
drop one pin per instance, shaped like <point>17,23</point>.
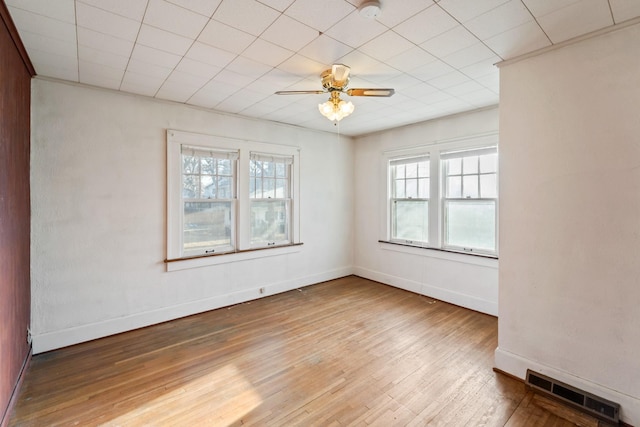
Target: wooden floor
<point>345,352</point>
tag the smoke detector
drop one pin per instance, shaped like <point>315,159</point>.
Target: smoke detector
<point>370,9</point>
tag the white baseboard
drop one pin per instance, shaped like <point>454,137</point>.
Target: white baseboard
<point>66,337</point>
<point>447,295</point>
<point>517,366</point>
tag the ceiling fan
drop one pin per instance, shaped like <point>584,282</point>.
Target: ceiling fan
<point>335,81</point>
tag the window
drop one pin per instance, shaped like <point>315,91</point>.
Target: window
<point>208,200</point>
<point>444,196</point>
<point>410,200</point>
<point>470,200</point>
<point>228,196</point>
<point>269,192</point>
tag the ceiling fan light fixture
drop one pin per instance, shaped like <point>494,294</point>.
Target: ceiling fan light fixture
<point>335,109</point>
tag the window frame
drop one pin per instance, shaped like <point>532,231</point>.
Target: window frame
<point>175,260</point>
<point>436,219</point>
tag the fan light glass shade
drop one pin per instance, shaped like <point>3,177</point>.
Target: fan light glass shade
<point>336,109</point>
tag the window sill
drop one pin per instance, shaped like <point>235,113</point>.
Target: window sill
<point>176,264</point>
<point>445,254</point>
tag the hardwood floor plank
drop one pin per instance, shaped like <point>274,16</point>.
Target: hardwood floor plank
<point>348,352</point>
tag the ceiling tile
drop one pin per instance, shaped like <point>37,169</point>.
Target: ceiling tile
<point>544,7</point>
<point>576,19</point>
<point>89,54</point>
<point>51,65</point>
<point>151,70</point>
<point>519,40</point>
<point>425,25</point>
<point>278,80</point>
<point>463,11</point>
<point>132,9</point>
<point>60,10</point>
<point>247,15</point>
<point>449,42</point>
<point>155,56</point>
<point>367,68</point>
<point>42,43</point>
<point>302,66</point>
<point>394,12</point>
<point>233,78</point>
<point>141,84</point>
<point>624,9</point>
<point>386,45</point>
<point>197,68</point>
<point>106,22</point>
<point>212,93</point>
<point>209,54</point>
<point>320,15</point>
<point>469,55</point>
<point>504,17</point>
<point>203,7</point>
<point>289,33</point>
<point>225,37</point>
<point>248,67</point>
<point>163,40</point>
<point>324,49</point>
<point>355,30</point>
<point>411,59</point>
<point>448,80</point>
<point>175,19</point>
<point>482,68</point>
<point>104,42</point>
<point>100,75</point>
<point>431,70</point>
<point>37,24</point>
<point>267,53</point>
<point>279,5</point>
<point>179,87</point>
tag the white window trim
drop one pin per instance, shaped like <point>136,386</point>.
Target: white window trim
<point>436,215</point>
<point>175,139</point>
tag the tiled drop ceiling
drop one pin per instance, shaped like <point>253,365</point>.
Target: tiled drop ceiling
<point>232,55</point>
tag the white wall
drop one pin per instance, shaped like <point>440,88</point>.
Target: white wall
<point>570,217</point>
<point>464,280</point>
<point>98,187</point>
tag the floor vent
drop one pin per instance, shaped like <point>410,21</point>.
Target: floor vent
<point>586,402</point>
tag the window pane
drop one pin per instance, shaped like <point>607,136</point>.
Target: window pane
<point>454,166</point>
<point>206,225</point>
<point>256,167</point>
<point>269,219</point>
<point>282,189</point>
<point>470,165</point>
<point>454,187</point>
<point>410,220</point>
<point>488,186</point>
<point>224,188</point>
<point>470,186</point>
<point>190,187</point>
<point>224,167</point>
<point>400,193</point>
<point>268,169</point>
<point>489,163</point>
<point>268,190</point>
<point>412,170</point>
<point>258,190</point>
<point>412,189</point>
<point>470,224</point>
<point>400,171</point>
<point>190,164</point>
<point>423,188</point>
<point>281,170</point>
<point>423,169</point>
<point>207,187</point>
<point>207,165</point>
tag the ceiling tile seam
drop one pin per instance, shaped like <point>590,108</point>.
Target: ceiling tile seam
<point>75,18</point>
<point>470,32</point>
<point>193,42</point>
<point>133,46</point>
<point>192,10</point>
<point>104,10</point>
<point>537,23</point>
<point>613,19</point>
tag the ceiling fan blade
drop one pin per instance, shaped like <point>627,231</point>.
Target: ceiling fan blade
<point>340,73</point>
<point>370,92</point>
<point>299,92</point>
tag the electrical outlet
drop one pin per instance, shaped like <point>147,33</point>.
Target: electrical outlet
<point>262,290</point>
<point>29,338</point>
